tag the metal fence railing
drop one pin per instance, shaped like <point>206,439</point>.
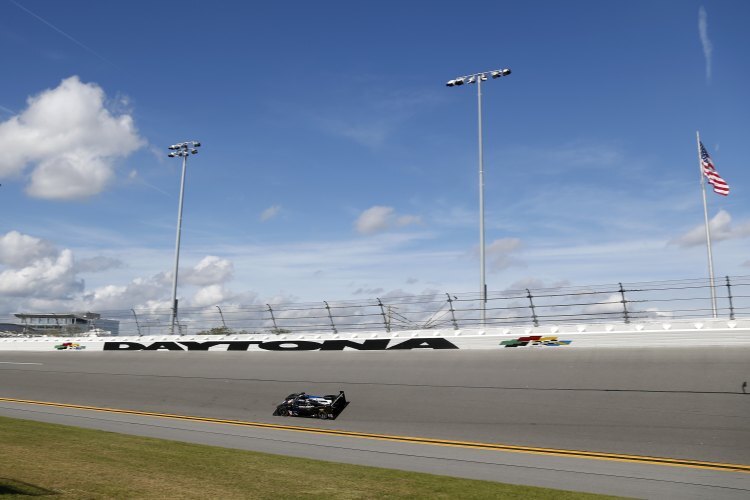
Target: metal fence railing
<point>621,302</point>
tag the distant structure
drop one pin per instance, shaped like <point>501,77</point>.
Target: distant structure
<point>10,329</point>
<point>87,323</point>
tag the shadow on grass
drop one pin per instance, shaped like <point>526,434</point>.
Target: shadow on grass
<point>19,488</point>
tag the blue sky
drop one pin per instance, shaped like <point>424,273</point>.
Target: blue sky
<point>335,162</point>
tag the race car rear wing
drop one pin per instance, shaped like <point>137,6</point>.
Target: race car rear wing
<point>340,401</point>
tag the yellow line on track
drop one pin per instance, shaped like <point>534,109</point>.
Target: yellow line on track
<point>675,462</point>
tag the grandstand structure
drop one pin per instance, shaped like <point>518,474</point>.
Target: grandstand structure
<point>85,323</point>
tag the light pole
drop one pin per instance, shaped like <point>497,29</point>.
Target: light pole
<point>182,149</point>
<point>478,78</point>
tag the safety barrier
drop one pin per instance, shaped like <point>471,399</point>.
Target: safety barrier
<point>707,332</point>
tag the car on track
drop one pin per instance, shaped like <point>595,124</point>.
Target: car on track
<point>301,404</point>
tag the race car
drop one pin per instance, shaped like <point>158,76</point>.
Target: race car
<point>301,404</point>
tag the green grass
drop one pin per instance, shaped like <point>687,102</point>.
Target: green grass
<point>56,461</point>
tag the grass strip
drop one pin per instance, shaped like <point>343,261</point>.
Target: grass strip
<point>49,460</point>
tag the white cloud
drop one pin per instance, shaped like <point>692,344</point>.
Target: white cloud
<point>406,220</point>
<point>49,276</point>
<point>152,293</point>
<point>34,269</point>
<point>373,219</point>
<point>69,139</point>
<point>379,218</point>
<point>270,213</point>
<point>19,250</point>
<point>498,253</point>
<point>611,304</point>
<point>721,229</point>
<point>143,293</point>
<point>209,296</point>
<point>211,270</point>
<point>35,275</point>
<point>705,41</point>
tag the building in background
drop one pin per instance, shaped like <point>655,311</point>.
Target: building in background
<point>87,323</point>
<point>10,330</point>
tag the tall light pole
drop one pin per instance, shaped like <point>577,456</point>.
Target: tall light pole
<point>182,149</point>
<point>478,78</point>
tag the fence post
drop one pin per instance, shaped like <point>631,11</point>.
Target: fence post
<point>533,309</point>
<point>385,319</point>
<point>273,318</point>
<point>624,304</point>
<point>136,322</point>
<point>453,312</point>
<point>729,294</point>
<point>333,326</point>
<point>223,323</point>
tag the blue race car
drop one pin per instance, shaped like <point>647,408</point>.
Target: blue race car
<point>301,404</point>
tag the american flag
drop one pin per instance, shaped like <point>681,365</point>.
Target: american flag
<point>713,177</point>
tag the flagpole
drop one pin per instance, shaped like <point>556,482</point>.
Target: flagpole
<point>708,230</point>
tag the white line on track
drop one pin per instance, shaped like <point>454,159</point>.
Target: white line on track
<point>15,363</point>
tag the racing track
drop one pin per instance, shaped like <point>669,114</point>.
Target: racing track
<point>683,403</point>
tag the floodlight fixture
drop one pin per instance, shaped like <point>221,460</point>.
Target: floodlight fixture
<point>500,72</point>
<point>184,148</point>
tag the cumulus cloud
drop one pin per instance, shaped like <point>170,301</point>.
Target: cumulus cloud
<point>498,253</point>
<point>379,218</point>
<point>705,41</point>
<point>153,293</point>
<point>721,229</point>
<point>211,270</point>
<point>373,219</point>
<point>209,296</point>
<point>270,213</point>
<point>35,275</point>
<point>611,304</point>
<point>19,250</point>
<point>69,140</point>
<point>144,293</point>
<point>33,268</point>
<point>48,276</point>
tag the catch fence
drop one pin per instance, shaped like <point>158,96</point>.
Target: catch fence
<point>618,303</point>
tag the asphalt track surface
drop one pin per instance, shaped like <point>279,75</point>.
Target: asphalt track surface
<point>685,404</point>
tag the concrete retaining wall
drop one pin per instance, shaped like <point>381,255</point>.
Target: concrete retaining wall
<point>655,334</point>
